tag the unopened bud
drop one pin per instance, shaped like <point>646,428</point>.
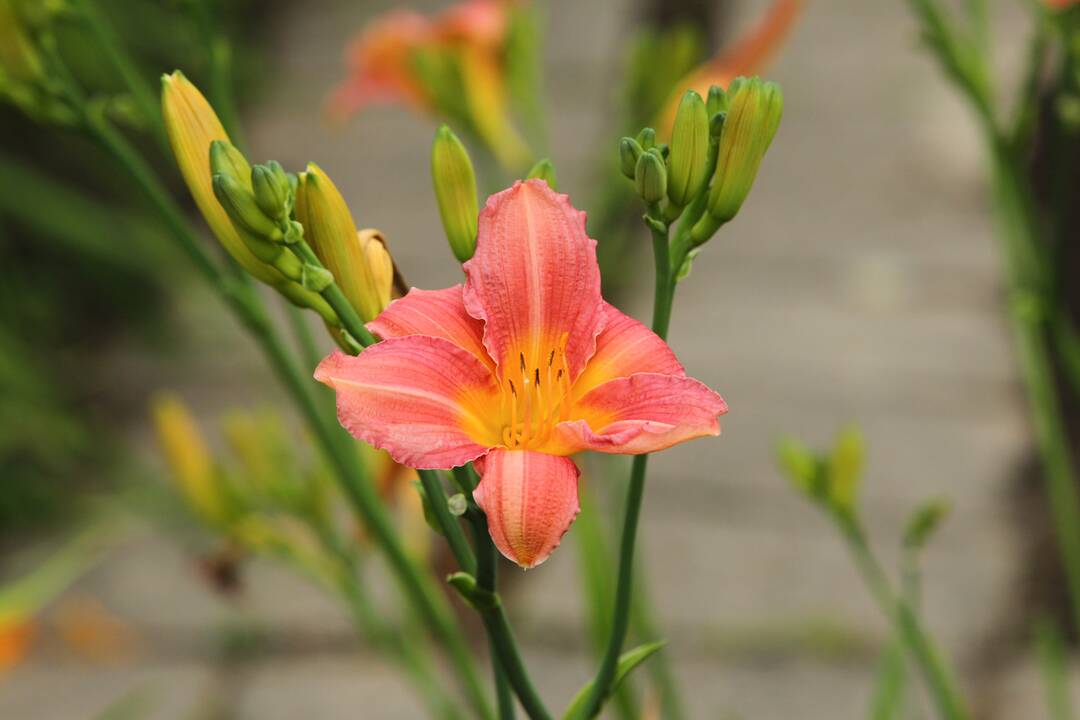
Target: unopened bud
<point>239,203</point>
<point>379,261</point>
<point>188,457</point>
<point>544,170</point>
<point>272,192</point>
<point>716,125</point>
<point>646,138</point>
<point>330,229</point>
<point>650,177</point>
<point>754,113</point>
<point>717,101</point>
<point>192,126</point>
<point>689,150</point>
<point>455,190</point>
<point>629,152</point>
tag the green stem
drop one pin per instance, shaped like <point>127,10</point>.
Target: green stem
<point>500,635</point>
<point>938,678</point>
<point>663,297</point>
<point>448,524</point>
<point>309,351</point>
<point>336,299</point>
<point>246,304</point>
<point>141,91</point>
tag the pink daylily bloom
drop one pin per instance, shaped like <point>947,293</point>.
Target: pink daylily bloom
<point>519,368</point>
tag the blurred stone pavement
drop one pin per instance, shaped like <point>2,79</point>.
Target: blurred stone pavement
<point>859,284</point>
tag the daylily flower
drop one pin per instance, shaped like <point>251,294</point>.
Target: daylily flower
<point>452,66</point>
<point>519,368</point>
<point>746,57</point>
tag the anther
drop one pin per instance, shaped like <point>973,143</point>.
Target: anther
<point>513,389</point>
<point>536,374</point>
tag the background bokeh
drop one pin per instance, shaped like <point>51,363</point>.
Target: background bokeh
<point>860,284</point>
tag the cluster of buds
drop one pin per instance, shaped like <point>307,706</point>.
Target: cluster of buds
<point>292,232</point>
<point>705,174</point>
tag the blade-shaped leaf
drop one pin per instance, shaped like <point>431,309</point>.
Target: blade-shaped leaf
<point>627,662</point>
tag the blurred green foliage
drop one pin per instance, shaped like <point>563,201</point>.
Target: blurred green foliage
<point>83,262</point>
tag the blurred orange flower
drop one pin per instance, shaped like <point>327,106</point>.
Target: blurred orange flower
<point>1061,4</point>
<point>16,634</point>
<point>406,57</point>
<point>747,56</point>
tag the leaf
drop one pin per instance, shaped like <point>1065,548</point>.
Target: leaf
<point>799,464</point>
<point>924,522</point>
<point>627,662</point>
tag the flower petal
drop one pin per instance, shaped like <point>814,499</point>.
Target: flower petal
<point>422,399</point>
<point>624,348</point>
<point>530,499</point>
<point>438,313</point>
<point>642,413</point>
<point>534,280</point>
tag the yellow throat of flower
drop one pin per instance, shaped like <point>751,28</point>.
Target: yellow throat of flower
<point>535,398</point>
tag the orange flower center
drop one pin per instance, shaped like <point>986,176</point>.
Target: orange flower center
<point>535,398</point>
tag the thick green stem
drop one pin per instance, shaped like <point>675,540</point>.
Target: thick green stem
<point>335,298</point>
<point>664,294</point>
<point>448,524</point>
<point>939,680</point>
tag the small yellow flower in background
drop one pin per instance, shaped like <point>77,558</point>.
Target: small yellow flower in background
<point>453,66</point>
<point>747,56</point>
<point>358,261</point>
<point>189,459</point>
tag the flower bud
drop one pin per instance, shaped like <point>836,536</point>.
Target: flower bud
<point>192,126</point>
<point>716,125</point>
<point>242,208</point>
<point>455,191</point>
<point>717,101</point>
<point>629,152</point>
<point>544,170</point>
<point>689,150</point>
<point>753,117</point>
<point>189,459</point>
<point>373,245</point>
<point>331,231</point>
<point>646,138</point>
<point>650,177</point>
<point>272,191</point>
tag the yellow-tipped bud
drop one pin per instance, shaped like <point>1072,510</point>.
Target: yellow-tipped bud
<point>455,191</point>
<point>189,459</point>
<point>192,126</point>
<point>373,245</point>
<point>331,231</point>
<point>753,116</point>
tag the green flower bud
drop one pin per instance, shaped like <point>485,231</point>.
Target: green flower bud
<point>240,205</point>
<point>689,150</point>
<point>716,124</point>
<point>272,191</point>
<point>646,138</point>
<point>650,177</point>
<point>455,191</point>
<point>629,152</point>
<point>544,170</point>
<point>717,101</point>
<point>755,108</point>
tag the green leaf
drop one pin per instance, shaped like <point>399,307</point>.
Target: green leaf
<point>799,464</point>
<point>627,662</point>
<point>924,522</point>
